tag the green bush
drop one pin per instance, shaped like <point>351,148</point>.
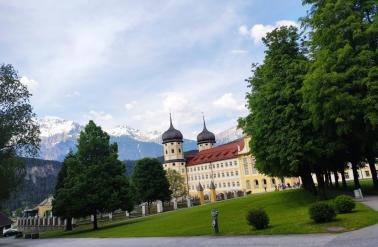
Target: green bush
<point>258,218</point>
<point>344,204</point>
<point>322,212</point>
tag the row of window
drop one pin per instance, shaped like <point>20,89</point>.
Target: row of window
<point>173,151</point>
<point>246,169</point>
<point>217,165</point>
<point>220,185</point>
<point>263,181</point>
<point>207,176</point>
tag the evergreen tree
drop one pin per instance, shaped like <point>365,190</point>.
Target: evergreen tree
<point>341,89</point>
<point>150,182</point>
<point>281,133</point>
<point>94,181</point>
<point>19,133</point>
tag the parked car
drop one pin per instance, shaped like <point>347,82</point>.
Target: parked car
<point>10,232</point>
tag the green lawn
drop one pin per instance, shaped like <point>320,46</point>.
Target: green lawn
<point>288,212</point>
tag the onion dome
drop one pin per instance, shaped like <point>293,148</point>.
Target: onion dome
<point>212,185</point>
<point>205,136</point>
<point>172,134</point>
<point>199,187</point>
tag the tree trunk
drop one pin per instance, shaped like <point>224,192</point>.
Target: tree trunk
<point>69,224</point>
<point>326,179</point>
<point>337,185</point>
<point>373,172</point>
<point>355,175</point>
<point>343,179</point>
<point>95,227</point>
<point>330,178</point>
<point>321,185</point>
<point>308,182</point>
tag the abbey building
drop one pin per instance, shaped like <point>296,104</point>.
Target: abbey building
<point>228,167</point>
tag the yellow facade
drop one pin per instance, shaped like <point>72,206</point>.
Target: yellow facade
<point>254,182</point>
<point>45,207</point>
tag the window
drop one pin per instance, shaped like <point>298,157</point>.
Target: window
<point>246,170</point>
<point>229,184</point>
<point>217,165</point>
<point>238,184</point>
<point>166,151</point>
<point>273,182</point>
<point>194,169</point>
<point>254,171</point>
<point>182,170</point>
<point>220,185</point>
<point>236,173</point>
<point>172,150</point>
<point>207,176</point>
<point>221,164</point>
<point>206,144</point>
<point>248,184</point>
<point>205,167</point>
<point>235,163</point>
<point>222,175</point>
<point>203,177</point>
<point>182,163</point>
<point>173,164</point>
<point>367,173</point>
<point>180,150</point>
<point>256,184</point>
<point>226,164</point>
<point>232,173</point>
<point>171,143</point>
<point>195,177</point>
<point>224,184</point>
<point>233,184</point>
<point>346,175</point>
<point>218,175</point>
<point>245,161</point>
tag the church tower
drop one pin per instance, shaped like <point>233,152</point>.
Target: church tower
<point>173,149</point>
<point>205,139</point>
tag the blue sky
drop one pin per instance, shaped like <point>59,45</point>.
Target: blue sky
<point>131,62</point>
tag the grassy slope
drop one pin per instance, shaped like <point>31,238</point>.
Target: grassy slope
<point>288,212</point>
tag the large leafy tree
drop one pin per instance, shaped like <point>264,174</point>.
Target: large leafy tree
<point>150,182</point>
<point>341,87</point>
<point>19,133</point>
<point>94,181</point>
<point>176,183</point>
<point>277,122</point>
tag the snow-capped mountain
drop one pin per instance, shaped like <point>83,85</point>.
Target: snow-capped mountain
<point>228,135</point>
<point>58,136</point>
<point>124,130</point>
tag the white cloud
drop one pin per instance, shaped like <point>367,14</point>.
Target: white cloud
<point>258,31</point>
<point>228,102</point>
<point>98,116</point>
<point>31,84</point>
<point>131,105</point>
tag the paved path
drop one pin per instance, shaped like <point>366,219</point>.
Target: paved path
<point>371,201</point>
<point>366,237</point>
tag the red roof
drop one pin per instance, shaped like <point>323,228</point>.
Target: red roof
<point>222,152</point>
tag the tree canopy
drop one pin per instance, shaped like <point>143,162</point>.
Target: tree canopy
<point>93,180</point>
<point>176,183</point>
<point>19,133</point>
<point>150,182</point>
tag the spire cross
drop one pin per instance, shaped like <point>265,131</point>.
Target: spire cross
<point>204,123</point>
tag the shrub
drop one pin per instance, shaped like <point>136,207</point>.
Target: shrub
<point>344,204</point>
<point>322,212</point>
<point>258,218</point>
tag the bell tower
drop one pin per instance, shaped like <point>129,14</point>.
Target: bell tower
<point>205,139</point>
<point>173,149</point>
